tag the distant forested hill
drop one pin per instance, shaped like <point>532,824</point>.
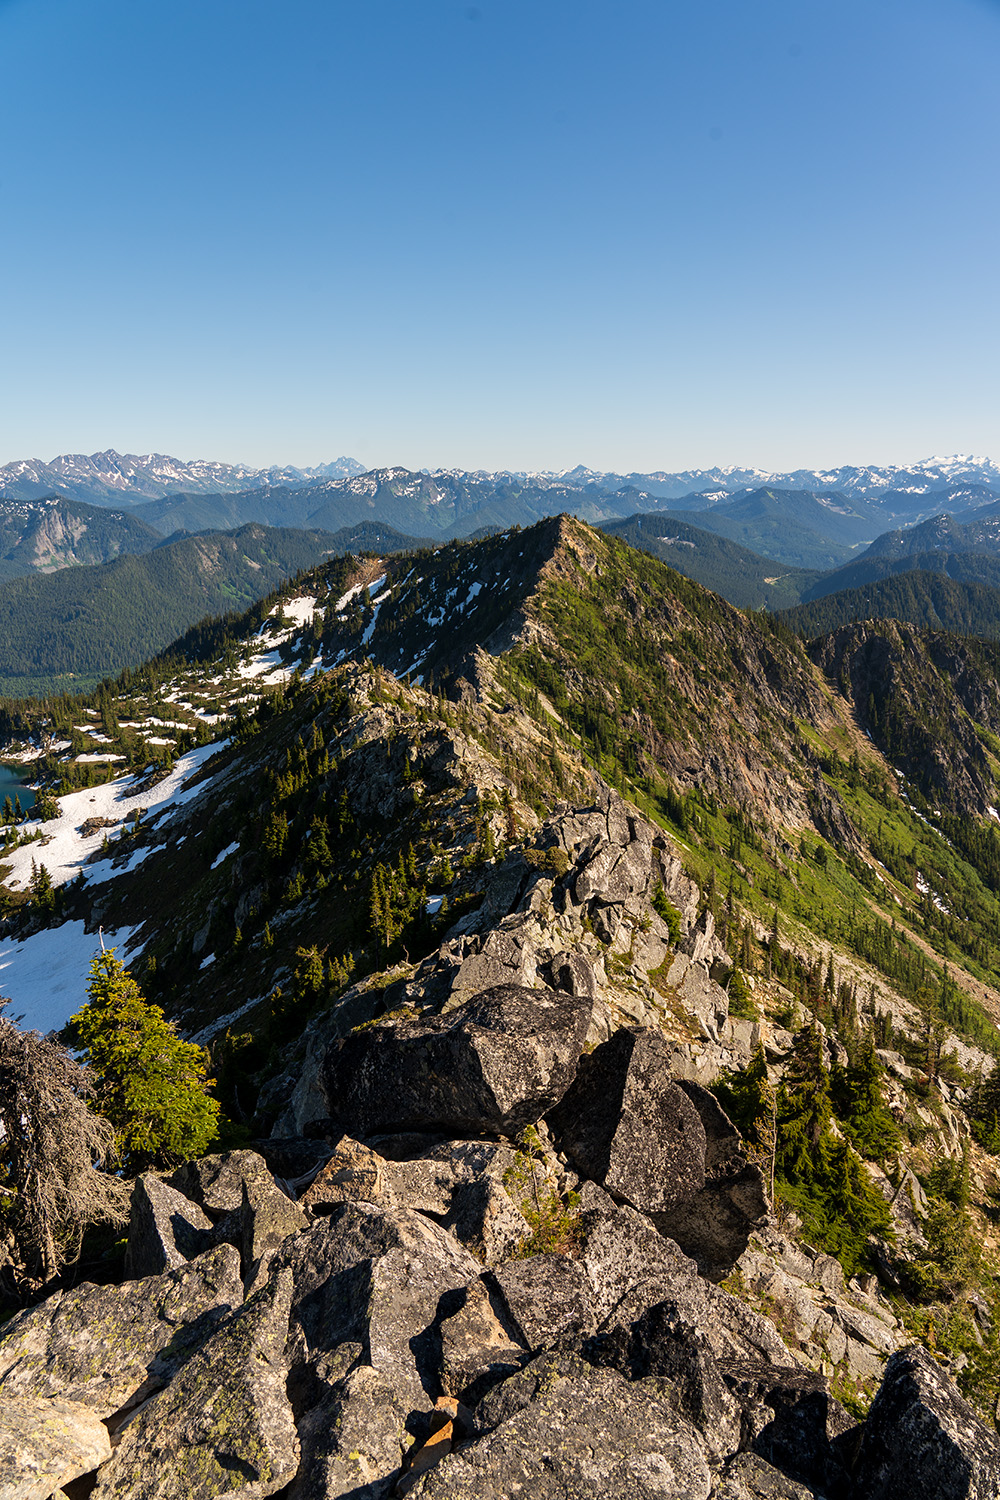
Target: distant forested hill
<point>75,626</point>
<point>930,601</point>
<point>963,567</point>
<point>739,575</point>
<point>798,528</point>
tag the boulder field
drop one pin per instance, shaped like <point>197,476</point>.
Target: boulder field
<point>491,1270</point>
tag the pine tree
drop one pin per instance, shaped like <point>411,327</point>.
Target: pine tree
<point>804,1109</point>
<point>860,1102</point>
<point>150,1083</point>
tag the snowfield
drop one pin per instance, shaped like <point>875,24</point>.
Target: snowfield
<point>64,850</point>
<point>45,976</point>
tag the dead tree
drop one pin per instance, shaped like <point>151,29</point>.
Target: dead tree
<point>50,1148</point>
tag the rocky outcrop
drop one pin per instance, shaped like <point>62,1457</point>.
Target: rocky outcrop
<point>663,1146</point>
<point>922,1440</point>
<point>375,1355</point>
<point>491,1066</point>
<point>45,1444</point>
<point>165,1228</point>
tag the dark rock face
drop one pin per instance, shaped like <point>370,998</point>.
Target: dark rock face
<point>540,1441</point>
<point>714,1225</point>
<point>627,1125</point>
<point>922,1440</point>
<point>491,1066</point>
<point>662,1343</point>
<point>165,1229</point>
<point>795,1421</point>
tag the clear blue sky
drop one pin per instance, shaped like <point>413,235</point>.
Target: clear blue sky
<point>527,233</point>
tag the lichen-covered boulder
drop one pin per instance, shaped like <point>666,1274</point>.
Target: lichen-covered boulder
<point>485,1219</point>
<point>548,1297</point>
<point>478,1347</point>
<point>352,1441</point>
<point>45,1444</point>
<point>381,1279</point>
<point>922,1440</point>
<point>353,1173</point>
<point>216,1182</point>
<point>263,1221</point>
<point>627,1125</point>
<point>108,1346</point>
<point>224,1424</point>
<point>490,1066</point>
<point>562,1428</point>
<point>749,1477</point>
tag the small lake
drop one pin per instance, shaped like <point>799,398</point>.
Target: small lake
<point>12,785</point>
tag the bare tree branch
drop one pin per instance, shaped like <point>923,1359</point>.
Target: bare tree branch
<point>50,1148</point>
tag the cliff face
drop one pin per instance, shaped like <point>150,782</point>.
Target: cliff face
<point>921,696</point>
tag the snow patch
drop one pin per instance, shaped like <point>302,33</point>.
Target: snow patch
<point>46,975</point>
<point>223,854</point>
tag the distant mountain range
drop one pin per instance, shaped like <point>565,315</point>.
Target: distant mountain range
<point>109,478</point>
<point>903,492</point>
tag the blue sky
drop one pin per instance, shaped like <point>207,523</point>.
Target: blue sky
<point>521,233</point>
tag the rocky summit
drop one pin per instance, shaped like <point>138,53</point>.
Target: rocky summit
<point>600,997</point>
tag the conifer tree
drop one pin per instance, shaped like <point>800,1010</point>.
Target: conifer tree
<point>804,1109</point>
<point>150,1083</point>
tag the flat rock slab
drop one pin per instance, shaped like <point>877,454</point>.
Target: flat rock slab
<point>627,1125</point>
<point>490,1066</point>
<point>106,1346</point>
<point>562,1430</point>
<point>45,1444</point>
<point>922,1440</point>
<point>224,1424</point>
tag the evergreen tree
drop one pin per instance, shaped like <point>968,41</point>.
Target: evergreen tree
<point>804,1109</point>
<point>860,1104</point>
<point>150,1083</point>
